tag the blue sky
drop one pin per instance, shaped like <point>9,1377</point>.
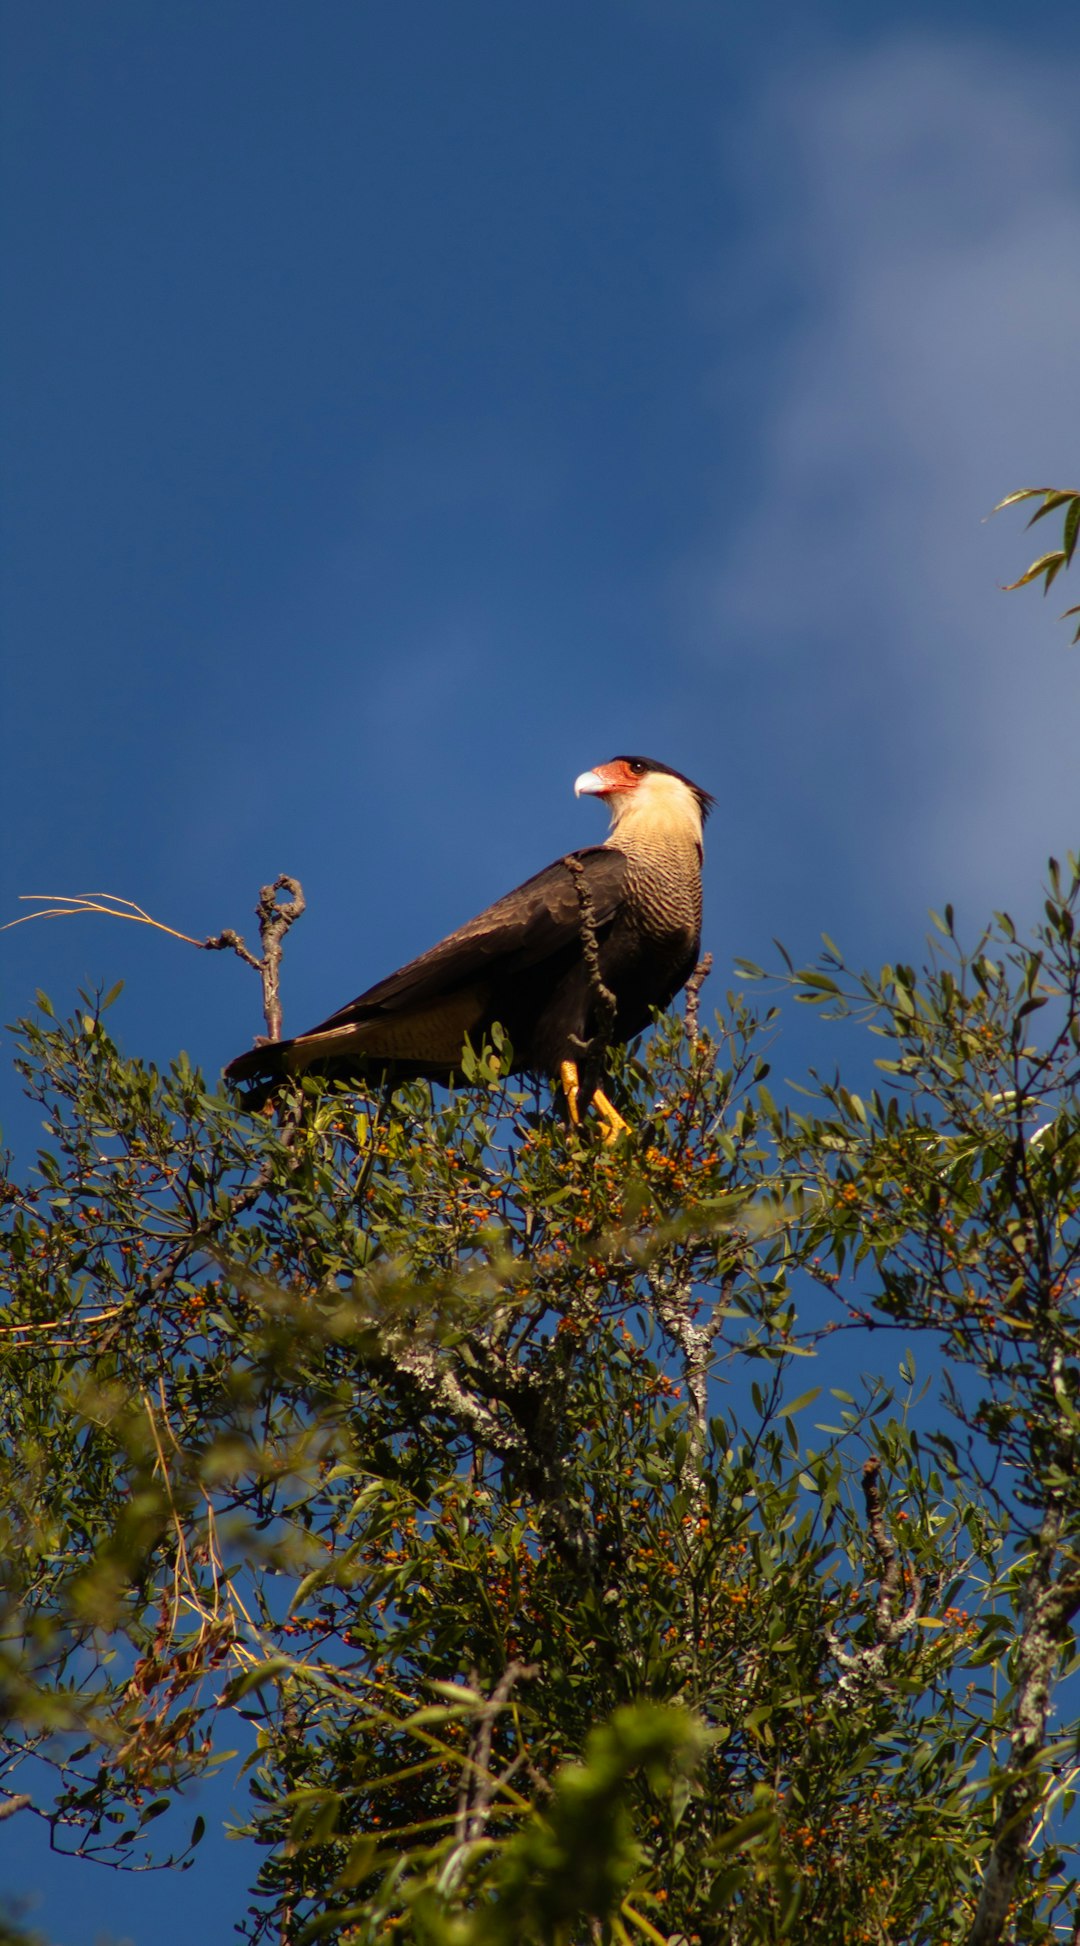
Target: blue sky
<point>406,408</point>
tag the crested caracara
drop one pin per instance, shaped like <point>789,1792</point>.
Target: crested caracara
<point>523,961</point>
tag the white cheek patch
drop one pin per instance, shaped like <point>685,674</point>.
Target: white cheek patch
<point>664,807</point>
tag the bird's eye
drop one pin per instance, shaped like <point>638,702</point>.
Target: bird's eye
<point>637,767</point>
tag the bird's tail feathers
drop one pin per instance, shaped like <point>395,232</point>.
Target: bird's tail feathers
<point>273,1062</point>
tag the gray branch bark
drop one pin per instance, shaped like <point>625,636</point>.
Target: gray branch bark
<point>866,1668</point>
<point>275,917</point>
<point>1048,1608</point>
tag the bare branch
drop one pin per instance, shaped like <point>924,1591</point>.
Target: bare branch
<point>442,1391</point>
<point>673,1298</point>
<point>274,921</point>
<point>602,997</point>
<point>230,941</point>
<point>479,1784</point>
<point>886,1551</point>
<point>70,904</point>
<point>866,1668</point>
<point>1048,1609</point>
<point>693,993</point>
<point>275,917</point>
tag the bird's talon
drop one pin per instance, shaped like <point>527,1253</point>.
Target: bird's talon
<point>612,1122</point>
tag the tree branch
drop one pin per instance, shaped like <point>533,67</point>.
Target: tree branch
<point>478,1784</point>
<point>274,922</point>
<point>603,1000</point>
<point>693,993</point>
<point>1047,1608</point>
<point>672,1300</point>
<point>274,918</point>
<point>886,1551</point>
<point>865,1668</point>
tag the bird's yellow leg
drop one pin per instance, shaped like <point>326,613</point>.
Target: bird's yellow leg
<point>614,1126</point>
<point>568,1075</point>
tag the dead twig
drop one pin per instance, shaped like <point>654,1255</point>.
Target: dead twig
<point>274,921</point>
<point>230,941</point>
<point>275,917</point>
<point>69,904</point>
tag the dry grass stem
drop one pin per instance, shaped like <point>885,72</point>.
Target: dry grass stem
<point>69,904</point>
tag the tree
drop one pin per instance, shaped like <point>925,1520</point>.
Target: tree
<point>493,1487</point>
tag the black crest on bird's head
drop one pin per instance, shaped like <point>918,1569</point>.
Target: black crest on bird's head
<point>704,798</point>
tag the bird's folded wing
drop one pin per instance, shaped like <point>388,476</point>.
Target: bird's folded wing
<point>533,923</point>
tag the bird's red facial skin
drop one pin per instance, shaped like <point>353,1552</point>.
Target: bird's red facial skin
<point>618,778</point>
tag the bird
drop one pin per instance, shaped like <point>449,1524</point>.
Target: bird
<point>571,962</point>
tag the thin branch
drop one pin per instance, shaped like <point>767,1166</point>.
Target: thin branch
<point>479,1784</point>
<point>866,1667</point>
<point>181,1565</point>
<point>603,999</point>
<point>589,1054</point>
<point>70,904</point>
<point>886,1551</point>
<point>1048,1609</point>
<point>274,921</point>
<point>230,941</point>
<point>693,993</point>
<point>274,916</point>
<point>672,1298</point>
<point>55,1324</point>
<point>442,1391</point>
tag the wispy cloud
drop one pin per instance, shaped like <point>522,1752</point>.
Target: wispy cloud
<point>915,233</point>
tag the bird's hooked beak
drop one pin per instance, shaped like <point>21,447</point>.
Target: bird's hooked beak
<point>607,780</point>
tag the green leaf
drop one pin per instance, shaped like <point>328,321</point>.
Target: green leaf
<point>821,982</point>
<point>456,1692</point>
<point>1024,493</point>
<point>748,1828</point>
<point>263,1672</point>
<point>1047,564</point>
<point>804,1399</point>
<point>359,1863</point>
<point>1051,504</point>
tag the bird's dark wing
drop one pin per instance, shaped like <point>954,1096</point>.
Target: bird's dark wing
<point>416,1019</point>
<point>531,924</point>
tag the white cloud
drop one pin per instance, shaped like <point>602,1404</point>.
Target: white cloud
<point>916,217</point>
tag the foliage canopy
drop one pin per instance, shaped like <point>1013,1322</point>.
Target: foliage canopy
<point>504,1499</point>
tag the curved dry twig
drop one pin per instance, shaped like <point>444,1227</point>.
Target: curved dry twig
<point>69,904</point>
<point>275,917</point>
